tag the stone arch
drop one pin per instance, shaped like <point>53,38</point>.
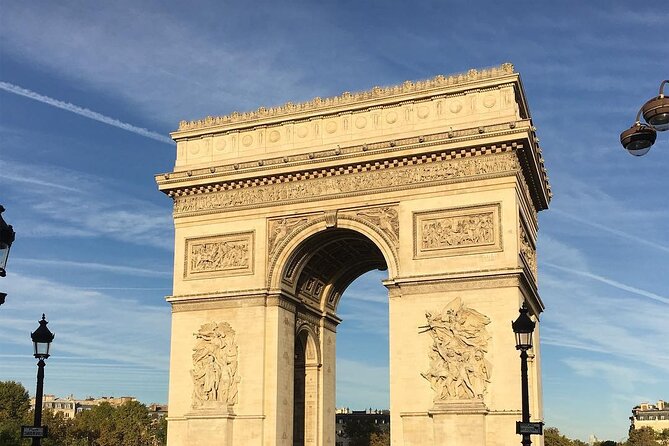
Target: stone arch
<point>306,385</point>
<point>263,199</point>
<point>286,260</point>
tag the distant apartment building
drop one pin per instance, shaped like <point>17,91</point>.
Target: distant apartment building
<point>655,416</point>
<point>71,406</point>
<point>344,416</point>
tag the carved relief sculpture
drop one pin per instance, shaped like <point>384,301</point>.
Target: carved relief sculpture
<point>456,231</point>
<point>385,218</point>
<point>527,250</point>
<point>280,229</point>
<point>462,230</point>
<point>220,255</point>
<point>215,375</point>
<point>458,366</point>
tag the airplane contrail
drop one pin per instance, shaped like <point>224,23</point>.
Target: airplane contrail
<point>613,283</point>
<point>11,88</point>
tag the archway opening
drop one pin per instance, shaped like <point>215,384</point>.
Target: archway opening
<point>363,379</point>
<point>317,274</point>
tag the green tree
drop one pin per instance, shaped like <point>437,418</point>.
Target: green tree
<point>381,438</point>
<point>608,443</point>
<point>663,437</point>
<point>644,436</point>
<point>159,430</point>
<point>60,429</point>
<point>552,437</point>
<point>359,431</point>
<point>14,410</point>
<point>126,425</point>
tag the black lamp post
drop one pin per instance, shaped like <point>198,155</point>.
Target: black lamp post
<point>523,327</point>
<point>638,139</point>
<point>42,338</point>
<point>7,236</point>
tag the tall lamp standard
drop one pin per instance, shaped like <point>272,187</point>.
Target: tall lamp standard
<point>638,139</point>
<point>523,327</point>
<point>7,236</point>
<point>42,338</point>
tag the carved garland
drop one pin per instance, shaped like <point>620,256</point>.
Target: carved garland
<point>458,365</point>
<point>215,360</point>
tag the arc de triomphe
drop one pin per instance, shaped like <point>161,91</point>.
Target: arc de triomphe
<point>277,211</point>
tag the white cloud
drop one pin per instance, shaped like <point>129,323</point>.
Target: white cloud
<point>88,207</point>
<point>137,53</point>
<point>89,324</point>
<point>621,377</point>
<point>116,269</point>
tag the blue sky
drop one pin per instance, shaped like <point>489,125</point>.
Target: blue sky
<point>90,90</point>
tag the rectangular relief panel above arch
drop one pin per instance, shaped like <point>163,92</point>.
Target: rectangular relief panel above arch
<point>458,231</point>
<point>219,255</point>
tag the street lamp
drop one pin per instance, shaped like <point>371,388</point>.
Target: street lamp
<point>6,239</point>
<point>638,139</point>
<point>42,338</point>
<point>523,327</point>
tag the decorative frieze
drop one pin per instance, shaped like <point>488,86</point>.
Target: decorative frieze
<point>352,180</point>
<point>457,231</point>
<point>458,369</point>
<point>221,255</point>
<point>214,373</point>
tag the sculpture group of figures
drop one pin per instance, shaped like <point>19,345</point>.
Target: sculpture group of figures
<point>216,256</point>
<point>215,365</point>
<point>458,367</point>
<point>462,230</point>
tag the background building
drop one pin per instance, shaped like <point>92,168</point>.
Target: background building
<point>70,406</point>
<point>655,416</point>
<point>379,418</point>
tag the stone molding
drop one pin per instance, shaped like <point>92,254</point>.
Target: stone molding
<point>219,255</point>
<point>352,180</point>
<point>308,320</point>
<point>457,231</point>
<point>512,131</point>
<point>220,300</point>
<point>348,99</point>
<point>429,284</point>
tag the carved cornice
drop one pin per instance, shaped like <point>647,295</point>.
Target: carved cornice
<point>474,280</point>
<point>348,99</point>
<point>210,176</point>
<point>235,299</point>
